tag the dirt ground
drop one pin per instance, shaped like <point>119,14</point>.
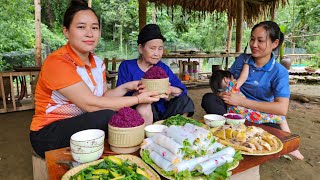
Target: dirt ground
<point>303,119</point>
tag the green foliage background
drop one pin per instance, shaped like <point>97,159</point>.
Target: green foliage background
<point>119,21</point>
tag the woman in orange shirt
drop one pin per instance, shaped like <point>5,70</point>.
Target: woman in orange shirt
<point>71,93</point>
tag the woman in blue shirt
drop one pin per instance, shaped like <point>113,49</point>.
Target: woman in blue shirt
<point>267,86</point>
<point>150,46</point>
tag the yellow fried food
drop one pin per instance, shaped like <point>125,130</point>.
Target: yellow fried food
<point>220,134</point>
<point>229,133</point>
<point>241,136</point>
<point>265,144</point>
<point>237,147</point>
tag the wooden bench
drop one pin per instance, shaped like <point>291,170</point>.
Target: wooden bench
<point>112,75</point>
<point>14,88</point>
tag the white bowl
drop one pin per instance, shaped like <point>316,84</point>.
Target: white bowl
<point>88,138</point>
<point>154,129</point>
<point>87,157</point>
<point>214,120</point>
<point>84,149</point>
<point>235,119</point>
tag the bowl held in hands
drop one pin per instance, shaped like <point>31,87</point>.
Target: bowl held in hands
<point>159,85</point>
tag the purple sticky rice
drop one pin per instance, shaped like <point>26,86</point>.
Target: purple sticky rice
<point>155,72</point>
<point>233,116</point>
<point>125,118</point>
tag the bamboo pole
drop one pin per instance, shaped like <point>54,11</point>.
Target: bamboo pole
<point>37,6</point>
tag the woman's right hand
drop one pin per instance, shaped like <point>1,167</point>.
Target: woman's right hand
<point>148,97</point>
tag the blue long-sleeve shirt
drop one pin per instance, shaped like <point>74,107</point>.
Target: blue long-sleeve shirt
<point>130,71</point>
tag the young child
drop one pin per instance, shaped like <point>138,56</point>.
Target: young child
<point>223,81</point>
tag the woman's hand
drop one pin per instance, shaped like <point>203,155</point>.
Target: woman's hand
<point>132,85</point>
<point>232,98</point>
<point>148,97</point>
<point>175,91</point>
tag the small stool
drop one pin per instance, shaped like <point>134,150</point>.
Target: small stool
<point>39,166</point>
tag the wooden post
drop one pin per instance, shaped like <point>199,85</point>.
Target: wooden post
<point>37,6</point>
<point>142,13</point>
<point>240,12</point>
<point>230,26</point>
<point>90,3</point>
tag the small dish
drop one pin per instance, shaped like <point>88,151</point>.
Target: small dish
<point>234,119</point>
<point>214,120</point>
<point>154,129</point>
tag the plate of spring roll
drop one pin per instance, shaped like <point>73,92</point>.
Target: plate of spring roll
<point>189,152</point>
<point>250,140</point>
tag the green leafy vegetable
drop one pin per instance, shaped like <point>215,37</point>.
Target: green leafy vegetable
<point>180,120</point>
<point>107,169</point>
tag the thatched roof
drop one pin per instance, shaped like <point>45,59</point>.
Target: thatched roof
<point>253,9</point>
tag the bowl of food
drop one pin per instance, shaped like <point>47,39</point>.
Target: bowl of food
<point>159,85</point>
<point>214,120</point>
<point>154,129</point>
<point>87,157</point>
<point>125,137</point>
<point>156,79</point>
<point>234,119</point>
<point>126,131</point>
<point>88,138</point>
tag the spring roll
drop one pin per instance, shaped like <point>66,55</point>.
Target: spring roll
<point>178,134</point>
<point>213,163</point>
<point>146,142</point>
<point>188,164</point>
<point>197,131</point>
<point>167,143</point>
<point>213,147</point>
<point>160,161</point>
<point>165,153</point>
<point>192,163</point>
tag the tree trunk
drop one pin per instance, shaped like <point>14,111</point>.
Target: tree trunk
<point>37,5</point>
<point>154,15</point>
<point>48,13</point>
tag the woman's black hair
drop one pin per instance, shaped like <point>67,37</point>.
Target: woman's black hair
<point>273,31</point>
<point>216,80</point>
<point>74,7</point>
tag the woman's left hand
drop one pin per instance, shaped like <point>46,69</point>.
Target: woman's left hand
<point>232,98</point>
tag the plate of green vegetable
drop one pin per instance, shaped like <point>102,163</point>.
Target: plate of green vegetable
<point>113,167</point>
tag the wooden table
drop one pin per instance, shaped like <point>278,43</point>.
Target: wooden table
<point>290,143</point>
<point>203,55</point>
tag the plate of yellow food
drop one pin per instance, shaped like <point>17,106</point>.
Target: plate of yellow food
<point>112,167</point>
<point>249,140</point>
